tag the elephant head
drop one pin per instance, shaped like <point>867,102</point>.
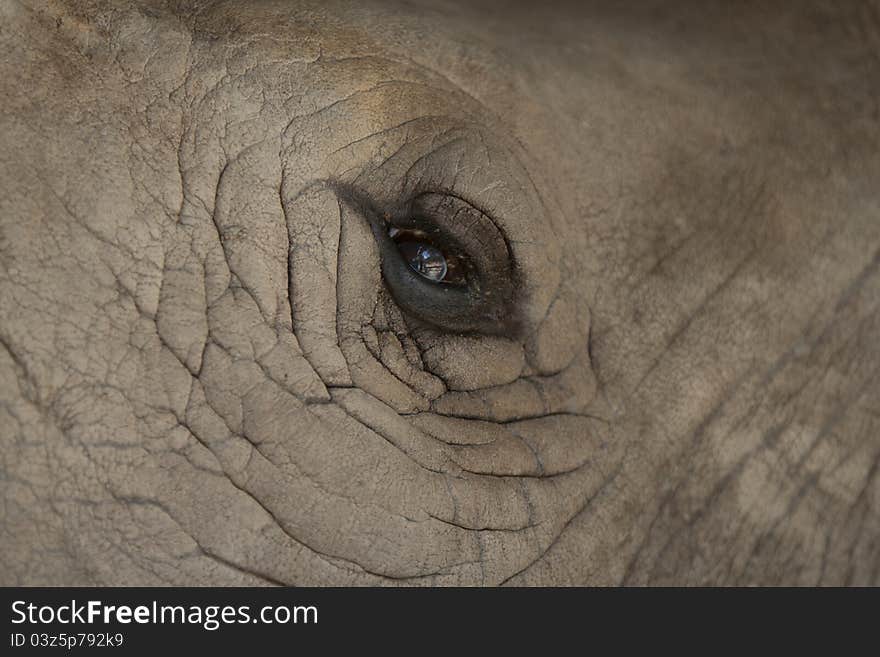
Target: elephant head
<point>404,293</point>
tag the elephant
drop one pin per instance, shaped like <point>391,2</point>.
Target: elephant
<point>415,293</point>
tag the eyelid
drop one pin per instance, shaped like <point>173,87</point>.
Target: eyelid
<point>465,228</point>
<point>426,233</point>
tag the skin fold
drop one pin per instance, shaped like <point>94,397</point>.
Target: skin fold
<point>206,379</point>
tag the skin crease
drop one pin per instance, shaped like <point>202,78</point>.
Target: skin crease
<point>204,379</point>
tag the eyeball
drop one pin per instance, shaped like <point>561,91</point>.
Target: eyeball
<point>425,259</point>
<point>432,260</point>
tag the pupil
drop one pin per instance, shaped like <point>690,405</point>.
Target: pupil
<point>425,259</point>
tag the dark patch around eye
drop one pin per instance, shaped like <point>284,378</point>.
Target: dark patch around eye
<point>480,295</point>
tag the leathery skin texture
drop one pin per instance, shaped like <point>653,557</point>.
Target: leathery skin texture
<point>206,378</point>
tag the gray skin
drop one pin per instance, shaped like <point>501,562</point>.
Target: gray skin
<point>205,378</point>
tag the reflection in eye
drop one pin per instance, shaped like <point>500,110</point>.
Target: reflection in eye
<point>427,259</point>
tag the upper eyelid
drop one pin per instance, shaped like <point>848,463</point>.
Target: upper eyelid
<point>437,236</point>
<point>467,203</point>
<point>481,238</point>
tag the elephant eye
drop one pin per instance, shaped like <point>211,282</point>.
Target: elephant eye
<point>431,261</point>
<point>445,262</point>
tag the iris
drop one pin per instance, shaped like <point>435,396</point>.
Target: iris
<point>425,259</point>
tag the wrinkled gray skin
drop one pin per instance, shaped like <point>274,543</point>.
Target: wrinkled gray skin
<point>204,379</point>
